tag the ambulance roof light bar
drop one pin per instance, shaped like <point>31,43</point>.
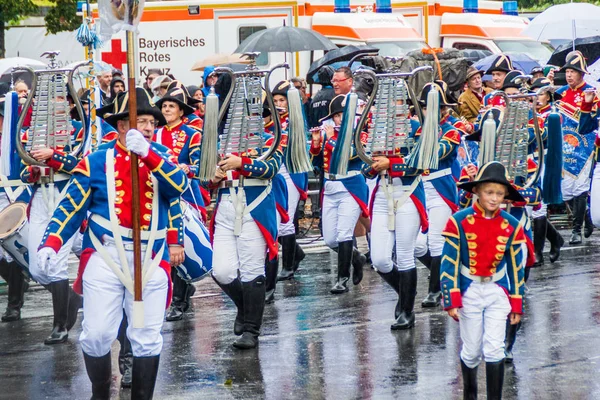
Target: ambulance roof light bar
<point>510,8</point>
<point>470,6</point>
<point>383,6</point>
<point>341,6</point>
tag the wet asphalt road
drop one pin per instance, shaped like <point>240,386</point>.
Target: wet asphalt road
<point>319,346</point>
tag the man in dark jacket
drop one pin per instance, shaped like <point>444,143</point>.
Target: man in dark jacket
<point>319,106</point>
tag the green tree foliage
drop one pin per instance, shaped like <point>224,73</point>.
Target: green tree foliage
<point>12,11</point>
<point>62,17</point>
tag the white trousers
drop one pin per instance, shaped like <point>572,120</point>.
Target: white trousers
<point>541,212</point>
<point>293,198</point>
<point>4,202</point>
<point>483,323</point>
<point>404,237</point>
<point>438,214</point>
<point>340,214</point>
<point>245,253</point>
<point>574,187</point>
<point>595,197</point>
<point>106,297</point>
<point>39,218</point>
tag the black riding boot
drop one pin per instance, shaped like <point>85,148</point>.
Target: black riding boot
<point>509,341</point>
<point>254,306</point>
<point>494,377</point>
<point>393,279</point>
<point>60,305</point>
<point>345,250</point>
<point>358,262</point>
<point>175,311</point>
<point>144,374</point>
<point>99,372</point>
<point>300,255</point>
<point>125,354</point>
<point>588,227</point>
<point>271,267</point>
<point>540,225</point>
<point>75,303</point>
<point>15,279</point>
<point>426,259</point>
<point>235,293</point>
<point>408,291</point>
<point>556,241</point>
<point>469,381</point>
<point>579,207</point>
<point>434,297</point>
<point>288,254</point>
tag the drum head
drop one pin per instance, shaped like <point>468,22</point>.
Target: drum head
<point>11,219</point>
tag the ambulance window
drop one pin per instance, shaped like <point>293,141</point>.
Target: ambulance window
<point>244,32</point>
<point>470,46</point>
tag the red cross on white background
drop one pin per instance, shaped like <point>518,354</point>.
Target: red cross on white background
<point>116,56</point>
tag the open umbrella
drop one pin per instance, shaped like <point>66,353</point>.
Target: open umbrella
<point>589,47</point>
<point>520,61</point>
<point>219,59</point>
<point>286,39</point>
<point>335,57</point>
<point>6,64</point>
<point>565,21</point>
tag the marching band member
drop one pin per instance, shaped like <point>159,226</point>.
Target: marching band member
<point>344,199</point>
<point>106,265</point>
<point>191,119</point>
<point>482,276</point>
<point>441,194</point>
<point>577,150</point>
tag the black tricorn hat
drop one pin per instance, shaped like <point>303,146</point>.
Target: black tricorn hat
<point>497,115</point>
<point>575,60</point>
<point>281,88</point>
<point>119,109</point>
<point>493,172</point>
<point>177,95</point>
<point>446,98</point>
<point>336,105</point>
<point>501,63</point>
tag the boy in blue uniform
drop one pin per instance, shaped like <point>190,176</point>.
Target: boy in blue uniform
<point>482,276</point>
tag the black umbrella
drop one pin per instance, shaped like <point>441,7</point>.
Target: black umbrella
<point>589,47</point>
<point>333,57</point>
<point>285,39</point>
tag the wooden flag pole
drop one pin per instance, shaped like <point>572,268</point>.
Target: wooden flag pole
<point>138,307</point>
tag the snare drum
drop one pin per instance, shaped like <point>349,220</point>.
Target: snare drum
<point>197,247</point>
<point>14,233</point>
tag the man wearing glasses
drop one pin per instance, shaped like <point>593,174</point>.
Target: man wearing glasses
<point>101,187</point>
<point>342,81</point>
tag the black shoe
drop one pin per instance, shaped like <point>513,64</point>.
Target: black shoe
<point>288,255</point>
<point>234,291</point>
<point>345,250</point>
<point>469,381</point>
<point>143,375</point>
<point>434,296</point>
<point>60,304</point>
<point>126,366</point>
<point>556,241</point>
<point>254,306</point>
<point>11,314</point>
<point>408,291</point>
<point>575,238</point>
<point>175,312</point>
<point>509,341</point>
<point>494,377</point>
<point>393,279</point>
<point>358,262</point>
<point>539,227</point>
<point>271,267</point>
<point>300,255</point>
<point>75,303</point>
<point>99,373</point>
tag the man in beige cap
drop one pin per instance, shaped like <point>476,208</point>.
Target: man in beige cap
<point>471,100</point>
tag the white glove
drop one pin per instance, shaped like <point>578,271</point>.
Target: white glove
<point>45,254</point>
<point>137,143</point>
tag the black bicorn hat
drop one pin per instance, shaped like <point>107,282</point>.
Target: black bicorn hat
<point>446,97</point>
<point>177,84</point>
<point>336,105</point>
<point>575,60</point>
<point>493,172</point>
<point>501,63</point>
<point>496,114</point>
<point>119,109</point>
<point>281,88</point>
<point>546,85</point>
<point>513,80</point>
<point>177,95</point>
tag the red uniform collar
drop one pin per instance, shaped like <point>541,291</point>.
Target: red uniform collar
<point>174,127</point>
<point>480,212</point>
